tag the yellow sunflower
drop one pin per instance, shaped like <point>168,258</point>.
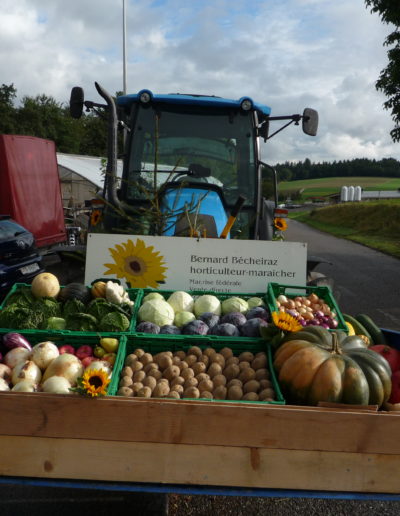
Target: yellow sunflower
<point>95,217</point>
<point>141,266</point>
<point>280,224</point>
<point>94,382</point>
<point>286,322</point>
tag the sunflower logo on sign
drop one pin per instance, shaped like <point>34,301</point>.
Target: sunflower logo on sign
<point>95,217</point>
<point>139,265</point>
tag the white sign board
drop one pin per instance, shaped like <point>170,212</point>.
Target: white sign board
<point>177,263</point>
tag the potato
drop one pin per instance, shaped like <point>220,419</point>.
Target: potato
<point>191,382</point>
<point>219,379</point>
<point>124,391</point>
<point>208,352</point>
<point>150,365</point>
<point>183,365</point>
<point>231,360</point>
<point>205,359</point>
<point>178,380</point>
<point>136,387</point>
<point>163,380</point>
<point>171,372</point>
<point>187,373</point>
<point>250,396</point>
<point>267,394</point>
<point>139,376</point>
<point>164,361</point>
<point>180,354</point>
<point>150,381</point>
<point>199,367</point>
<point>232,371</point>
<point>139,352</point>
<point>251,386</point>
<point>247,374</point>
<point>136,366</point>
<point>220,392</point>
<point>130,359</point>
<point>259,362</point>
<point>262,374</point>
<point>195,350</point>
<point>173,394</point>
<point>177,388</point>
<point>146,358</point>
<point>214,369</point>
<point>217,357</point>
<point>206,385</point>
<point>127,371</point>
<point>264,384</point>
<point>226,353</point>
<point>235,393</point>
<point>156,373</point>
<point>191,359</point>
<point>125,381</point>
<point>207,395</point>
<point>202,376</point>
<point>243,365</point>
<point>144,392</point>
<point>161,390</point>
<point>176,361</point>
<point>246,356</point>
<point>169,353</point>
<point>191,392</point>
<point>234,381</point>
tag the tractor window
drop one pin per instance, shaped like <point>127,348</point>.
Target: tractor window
<point>165,142</point>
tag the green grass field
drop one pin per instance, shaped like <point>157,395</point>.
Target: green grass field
<point>330,185</point>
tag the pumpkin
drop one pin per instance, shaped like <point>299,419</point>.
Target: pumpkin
<point>346,371</point>
<point>45,284</point>
<point>75,291</point>
<point>98,289</point>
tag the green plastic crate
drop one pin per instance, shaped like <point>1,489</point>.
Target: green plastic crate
<point>153,345</point>
<point>291,291</point>
<point>196,293</point>
<point>134,294</point>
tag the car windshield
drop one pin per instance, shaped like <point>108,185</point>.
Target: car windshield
<point>9,230</point>
<point>169,140</point>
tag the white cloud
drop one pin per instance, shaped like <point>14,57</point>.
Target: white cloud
<point>288,54</point>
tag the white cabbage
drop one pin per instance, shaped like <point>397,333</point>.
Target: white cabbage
<point>157,311</point>
<point>181,301</point>
<point>234,304</point>
<point>207,303</point>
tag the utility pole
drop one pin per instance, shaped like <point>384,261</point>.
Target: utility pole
<point>124,47</point>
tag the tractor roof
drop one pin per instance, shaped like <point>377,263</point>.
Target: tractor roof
<point>191,100</point>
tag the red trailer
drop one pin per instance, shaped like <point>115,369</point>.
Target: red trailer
<point>30,189</point>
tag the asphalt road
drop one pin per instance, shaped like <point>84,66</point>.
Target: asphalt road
<point>364,280</point>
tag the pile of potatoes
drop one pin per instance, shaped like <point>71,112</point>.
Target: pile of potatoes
<point>197,374</point>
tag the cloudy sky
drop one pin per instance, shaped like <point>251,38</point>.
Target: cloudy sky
<point>288,54</point>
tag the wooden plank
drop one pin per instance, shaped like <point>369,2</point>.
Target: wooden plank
<point>197,464</point>
<point>202,423</point>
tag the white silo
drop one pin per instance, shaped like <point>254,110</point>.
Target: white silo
<point>357,193</point>
<point>343,194</point>
<point>351,193</point>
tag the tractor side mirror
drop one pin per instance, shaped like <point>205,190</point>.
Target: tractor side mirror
<point>76,102</point>
<point>310,121</point>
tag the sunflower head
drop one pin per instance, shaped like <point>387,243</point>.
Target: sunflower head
<point>95,217</point>
<point>285,322</point>
<point>280,224</point>
<point>94,382</point>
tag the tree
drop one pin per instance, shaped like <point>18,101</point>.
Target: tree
<point>7,110</point>
<point>389,79</point>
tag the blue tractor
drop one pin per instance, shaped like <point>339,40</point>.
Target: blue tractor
<point>191,164</point>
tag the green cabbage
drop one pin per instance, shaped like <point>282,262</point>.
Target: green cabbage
<point>181,301</point>
<point>182,318</point>
<point>207,303</point>
<point>156,311</point>
<point>255,301</point>
<point>114,321</point>
<point>152,295</point>
<point>55,323</point>
<point>234,304</point>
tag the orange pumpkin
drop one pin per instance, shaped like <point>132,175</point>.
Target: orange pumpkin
<point>98,289</point>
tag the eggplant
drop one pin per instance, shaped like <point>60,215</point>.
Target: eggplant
<point>15,340</point>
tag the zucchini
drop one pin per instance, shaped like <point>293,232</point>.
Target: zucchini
<point>358,327</point>
<point>372,328</point>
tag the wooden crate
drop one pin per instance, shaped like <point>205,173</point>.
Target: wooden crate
<point>199,443</point>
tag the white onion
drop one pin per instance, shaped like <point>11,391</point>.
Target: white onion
<point>101,365</point>
<point>5,372</point>
<point>24,386</point>
<point>44,353</point>
<point>4,385</point>
<point>56,385</point>
<point>26,371</point>
<point>66,365</point>
<point>16,355</point>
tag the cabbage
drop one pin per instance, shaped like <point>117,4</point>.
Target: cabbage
<point>181,301</point>
<point>152,295</point>
<point>156,311</point>
<point>255,301</point>
<point>234,304</point>
<point>182,318</point>
<point>207,303</point>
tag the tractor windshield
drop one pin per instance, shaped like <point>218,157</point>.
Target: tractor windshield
<point>167,140</point>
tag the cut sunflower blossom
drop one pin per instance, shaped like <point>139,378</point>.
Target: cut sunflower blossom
<point>280,225</point>
<point>282,323</point>
<point>93,383</point>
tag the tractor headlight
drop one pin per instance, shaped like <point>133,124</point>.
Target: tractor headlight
<point>246,104</point>
<point>145,96</point>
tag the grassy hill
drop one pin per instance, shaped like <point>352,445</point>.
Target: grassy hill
<point>330,185</point>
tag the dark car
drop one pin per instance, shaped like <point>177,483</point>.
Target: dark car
<point>19,258</point>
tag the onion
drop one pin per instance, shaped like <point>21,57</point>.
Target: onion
<point>66,365</point>
<point>15,340</point>
<point>24,386</point>
<point>26,371</point>
<point>57,385</point>
<point>4,385</point>
<point>15,356</point>
<point>5,372</point>
<point>44,353</point>
<point>99,365</point>
<point>334,323</point>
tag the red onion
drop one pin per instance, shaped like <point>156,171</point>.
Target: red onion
<point>334,323</point>
<point>15,340</point>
